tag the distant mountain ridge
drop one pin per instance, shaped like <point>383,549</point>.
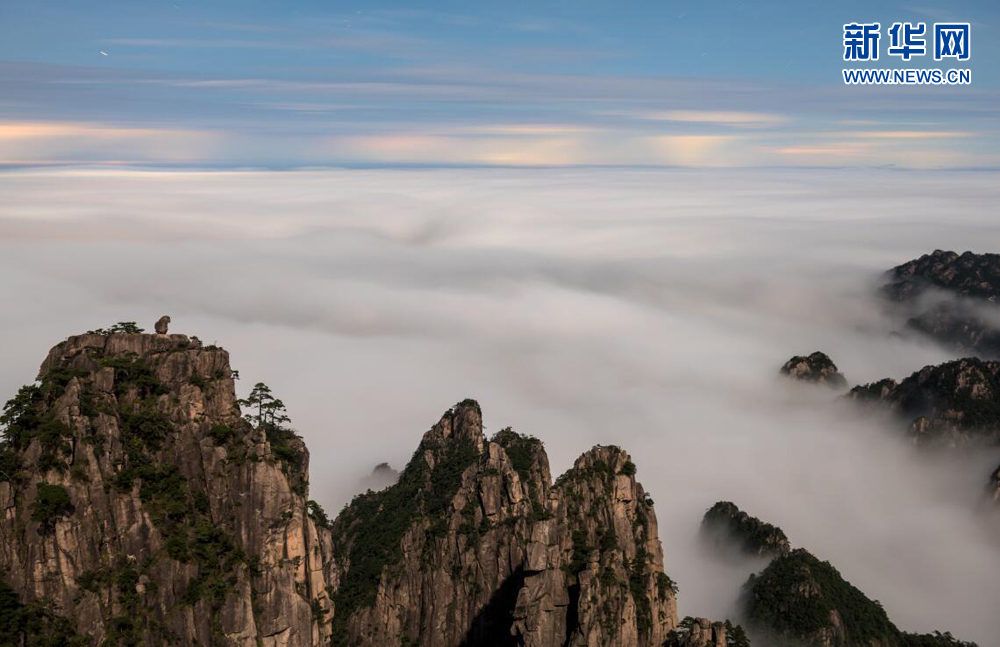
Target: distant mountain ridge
<point>951,298</point>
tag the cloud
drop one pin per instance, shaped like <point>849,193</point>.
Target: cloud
<point>27,142</point>
<point>649,308</point>
<point>725,118</point>
<point>699,150</point>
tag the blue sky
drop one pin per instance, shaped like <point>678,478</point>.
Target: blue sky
<point>735,83</point>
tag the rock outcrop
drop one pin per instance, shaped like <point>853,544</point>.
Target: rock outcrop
<point>702,632</point>
<point>475,545</point>
<point>952,404</point>
<point>731,532</point>
<point>161,325</point>
<point>817,368</point>
<point>139,507</point>
<point>951,298</point>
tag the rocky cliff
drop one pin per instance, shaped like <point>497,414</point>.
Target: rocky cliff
<point>139,504</point>
<point>702,632</point>
<point>475,545</point>
<point>951,298</point>
<point>140,507</point>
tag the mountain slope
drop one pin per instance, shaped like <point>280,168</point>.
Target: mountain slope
<point>800,601</point>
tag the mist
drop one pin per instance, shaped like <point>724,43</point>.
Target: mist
<point>645,308</point>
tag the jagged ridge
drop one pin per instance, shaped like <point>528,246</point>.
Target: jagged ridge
<point>476,546</point>
<point>951,298</point>
<point>954,403</point>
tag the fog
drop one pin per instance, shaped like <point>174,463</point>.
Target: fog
<point>645,308</point>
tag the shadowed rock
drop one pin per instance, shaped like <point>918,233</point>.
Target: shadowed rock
<point>950,298</point>
<point>817,368</point>
<point>952,404</point>
<point>730,532</point>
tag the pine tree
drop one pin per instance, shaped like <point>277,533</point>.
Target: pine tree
<point>270,411</point>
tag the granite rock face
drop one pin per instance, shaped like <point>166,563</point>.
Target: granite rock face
<point>951,298</point>
<point>139,507</point>
<point>817,368</point>
<point>147,511</point>
<point>479,547</point>
<point>699,632</point>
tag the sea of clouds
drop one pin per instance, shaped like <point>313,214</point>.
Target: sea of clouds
<point>649,308</point>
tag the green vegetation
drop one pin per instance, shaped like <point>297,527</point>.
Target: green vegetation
<point>522,450</point>
<point>778,608</point>
<point>725,524</point>
<point>267,413</point>
<point>936,639</point>
<point>180,512</point>
<point>580,556</point>
<point>270,411</point>
<point>33,624</point>
<point>637,579</point>
<point>735,635</point>
<point>221,434</point>
<point>21,416</point>
<point>128,327</point>
<point>664,583</point>
<point>371,528</point>
<point>317,514</point>
<point>10,462</point>
<point>131,371</point>
<point>25,418</point>
<point>628,469</point>
<point>791,600</point>
<point>51,503</point>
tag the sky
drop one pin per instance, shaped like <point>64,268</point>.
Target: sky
<point>299,84</point>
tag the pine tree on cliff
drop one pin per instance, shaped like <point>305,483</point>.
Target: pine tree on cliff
<point>270,410</point>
